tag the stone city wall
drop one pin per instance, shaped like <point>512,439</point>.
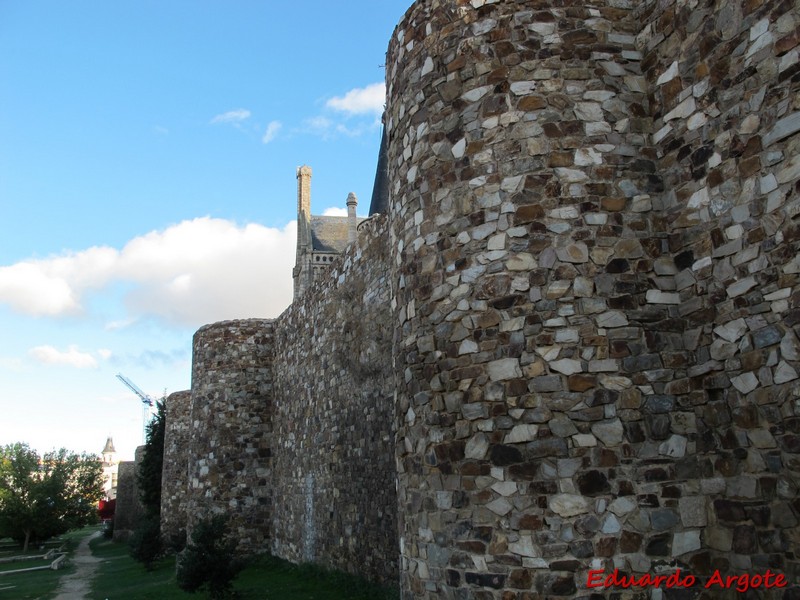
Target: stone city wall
<point>174,482</point>
<point>724,84</point>
<point>290,428</point>
<point>572,342</point>
<point>128,511</point>
<point>333,425</point>
<point>587,253</point>
<point>230,442</point>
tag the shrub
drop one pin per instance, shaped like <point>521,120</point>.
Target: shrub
<point>145,543</point>
<point>209,559</point>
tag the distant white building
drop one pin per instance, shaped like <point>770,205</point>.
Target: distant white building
<point>110,469</point>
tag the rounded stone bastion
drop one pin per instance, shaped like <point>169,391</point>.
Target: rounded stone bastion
<point>521,187</point>
<point>173,475</point>
<point>230,438</point>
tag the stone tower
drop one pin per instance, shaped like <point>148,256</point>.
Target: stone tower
<point>110,469</point>
<point>320,239</point>
<point>597,299</point>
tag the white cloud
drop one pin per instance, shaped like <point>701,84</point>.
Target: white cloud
<point>334,211</point>
<point>368,99</point>
<point>120,324</point>
<point>271,132</point>
<point>318,124</point>
<point>48,287</point>
<point>49,355</point>
<point>195,272</point>
<point>232,116</point>
<point>11,364</point>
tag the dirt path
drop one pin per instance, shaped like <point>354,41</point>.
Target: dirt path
<point>75,586</point>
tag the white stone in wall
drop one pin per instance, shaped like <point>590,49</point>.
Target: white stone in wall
<point>459,147</point>
<point>567,366</point>
<point>521,262</point>
<point>613,69</point>
<point>612,318</point>
<point>571,175</point>
<point>696,121</point>
<point>522,433</point>
<point>685,541</point>
<point>762,41</point>
<point>761,438</point>
<point>500,506</point>
<point>790,170</point>
<point>683,110</point>
<point>606,365</point>
<point>671,73</point>
<point>504,368</point>
<point>505,488</point>
<point>568,505</point>
<point>584,440</point>
<point>587,157</point>
<point>543,28</point>
<point>609,432</point>
<point>467,347</point>
<point>588,111</point>
<point>595,218</point>
<point>675,446</point>
<point>790,347</point>
<point>784,373</point>
<point>741,287</point>
<point>659,297</point>
<point>523,88</point>
<point>597,128</point>
<point>476,94</point>
<point>789,60</point>
<point>582,287</point>
<point>610,524</point>
<point>525,547</point>
<point>622,506</point>
<point>745,383</point>
<point>699,198</point>
<point>427,67</point>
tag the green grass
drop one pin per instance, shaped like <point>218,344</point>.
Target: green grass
<point>121,578</point>
<point>276,579</point>
<point>31,586</point>
<point>39,585</point>
<point>25,564</point>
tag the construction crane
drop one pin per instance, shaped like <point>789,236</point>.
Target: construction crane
<point>147,402</point>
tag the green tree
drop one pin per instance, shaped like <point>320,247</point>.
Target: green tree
<point>153,462</point>
<point>210,559</point>
<point>41,497</point>
<point>146,543</point>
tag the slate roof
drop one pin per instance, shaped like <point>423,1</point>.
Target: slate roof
<point>380,189</point>
<point>329,234</point>
<point>109,446</point>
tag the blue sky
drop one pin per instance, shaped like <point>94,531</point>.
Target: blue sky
<point>147,186</point>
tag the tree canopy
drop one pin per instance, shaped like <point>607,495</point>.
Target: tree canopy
<point>152,462</point>
<point>41,497</point>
